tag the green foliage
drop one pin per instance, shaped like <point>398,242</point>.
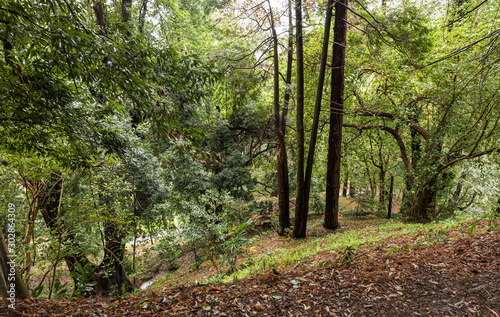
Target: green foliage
<point>437,236</point>
<point>213,227</point>
<point>346,255</point>
<point>409,31</point>
<point>168,246</point>
<point>317,203</point>
<point>472,229</point>
<point>82,285</point>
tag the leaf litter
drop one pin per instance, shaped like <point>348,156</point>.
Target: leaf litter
<point>459,276</point>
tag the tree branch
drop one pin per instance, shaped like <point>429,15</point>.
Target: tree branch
<point>395,134</point>
<point>392,116</point>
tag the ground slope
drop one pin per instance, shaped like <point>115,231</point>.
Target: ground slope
<point>457,278</point>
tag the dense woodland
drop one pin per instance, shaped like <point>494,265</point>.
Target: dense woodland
<point>192,123</point>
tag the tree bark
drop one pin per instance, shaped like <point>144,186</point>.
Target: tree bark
<point>317,110</point>
<point>336,117</point>
<point>381,178</point>
<point>115,279</point>
<point>300,224</point>
<point>282,160</point>
<point>423,203</point>
<point>126,7</point>
<point>352,189</point>
<point>389,208</point>
<point>142,15</point>
<point>49,206</point>
<point>99,14</point>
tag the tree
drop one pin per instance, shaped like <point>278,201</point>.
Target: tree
<point>75,88</point>
<point>279,126</point>
<point>300,224</point>
<point>316,116</point>
<point>423,116</point>
<point>336,117</point>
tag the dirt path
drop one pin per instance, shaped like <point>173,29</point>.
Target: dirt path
<point>461,278</point>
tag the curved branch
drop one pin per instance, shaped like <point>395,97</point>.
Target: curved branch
<point>392,116</point>
<point>395,134</point>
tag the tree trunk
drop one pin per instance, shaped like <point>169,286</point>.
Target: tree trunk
<point>317,109</point>
<point>126,8</point>
<point>114,279</point>
<point>75,257</point>
<point>142,15</point>
<point>29,236</point>
<point>49,205</point>
<point>282,157</point>
<point>423,204</point>
<point>300,224</point>
<point>381,179</point>
<point>352,189</point>
<point>99,15</point>
<point>336,117</point>
<point>389,208</point>
<point>371,180</point>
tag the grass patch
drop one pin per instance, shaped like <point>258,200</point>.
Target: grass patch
<point>337,243</point>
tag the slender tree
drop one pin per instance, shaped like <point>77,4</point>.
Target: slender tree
<point>317,110</point>
<point>285,215</point>
<point>336,116</point>
<point>282,160</point>
<point>300,224</point>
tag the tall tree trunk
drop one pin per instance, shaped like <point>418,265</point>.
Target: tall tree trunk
<point>282,157</point>
<point>99,14</point>
<point>373,185</point>
<point>381,179</point>
<point>32,193</point>
<point>336,117</point>
<point>352,188</point>
<point>317,109</point>
<point>300,224</point>
<point>126,8</point>
<point>49,205</point>
<point>415,157</point>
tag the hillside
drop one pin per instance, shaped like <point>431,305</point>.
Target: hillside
<point>444,272</point>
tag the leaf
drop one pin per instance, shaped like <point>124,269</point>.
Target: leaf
<point>206,307</point>
<point>472,229</point>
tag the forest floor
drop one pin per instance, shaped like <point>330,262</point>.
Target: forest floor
<point>390,269</point>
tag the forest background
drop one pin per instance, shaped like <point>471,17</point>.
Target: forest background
<point>186,121</point>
